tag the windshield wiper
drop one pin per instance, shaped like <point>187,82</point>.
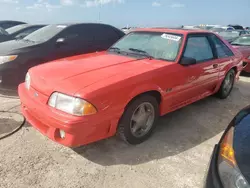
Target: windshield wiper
<point>142,52</point>
<point>115,49</point>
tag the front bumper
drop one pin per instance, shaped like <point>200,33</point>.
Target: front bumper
<point>79,130</point>
<point>213,179</point>
<point>10,73</point>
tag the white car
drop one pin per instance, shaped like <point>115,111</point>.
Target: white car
<point>219,29</point>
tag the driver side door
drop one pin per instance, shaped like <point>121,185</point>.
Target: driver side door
<point>197,80</point>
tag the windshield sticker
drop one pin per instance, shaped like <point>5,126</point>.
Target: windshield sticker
<point>171,37</point>
<point>61,26</point>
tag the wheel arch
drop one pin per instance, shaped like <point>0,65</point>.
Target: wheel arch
<point>154,93</point>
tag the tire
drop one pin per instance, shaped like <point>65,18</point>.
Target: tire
<point>126,123</point>
<point>223,93</point>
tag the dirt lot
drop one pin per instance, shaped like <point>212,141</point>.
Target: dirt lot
<point>177,155</point>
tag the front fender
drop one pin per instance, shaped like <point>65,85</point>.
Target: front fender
<point>143,89</point>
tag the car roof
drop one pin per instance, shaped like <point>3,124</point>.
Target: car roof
<point>29,25</point>
<point>173,30</point>
<point>71,24</point>
<point>12,21</point>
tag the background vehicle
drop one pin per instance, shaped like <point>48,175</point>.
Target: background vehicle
<point>218,29</point>
<point>5,24</point>
<point>19,32</point>
<point>125,89</point>
<point>22,30</point>
<point>236,27</point>
<point>50,43</point>
<point>126,30</point>
<point>243,45</point>
<point>232,35</point>
<point>230,162</point>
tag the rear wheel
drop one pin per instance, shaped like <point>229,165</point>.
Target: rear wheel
<point>139,119</point>
<point>227,85</point>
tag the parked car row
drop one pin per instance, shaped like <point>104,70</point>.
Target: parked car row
<point>5,24</point>
<point>52,42</point>
<point>18,32</point>
<point>82,97</point>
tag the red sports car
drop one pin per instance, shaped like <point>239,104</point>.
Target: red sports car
<point>148,73</point>
<point>243,45</point>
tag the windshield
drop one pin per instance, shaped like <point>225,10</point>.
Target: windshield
<point>228,35</point>
<point>244,41</point>
<point>217,29</point>
<point>157,45</point>
<point>45,33</point>
<point>16,28</point>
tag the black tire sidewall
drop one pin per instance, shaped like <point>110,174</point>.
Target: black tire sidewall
<point>222,93</point>
<point>124,125</point>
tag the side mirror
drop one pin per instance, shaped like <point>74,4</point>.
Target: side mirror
<point>60,42</point>
<point>185,61</point>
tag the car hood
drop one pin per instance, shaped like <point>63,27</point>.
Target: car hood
<point>14,46</point>
<point>245,50</point>
<point>70,75</point>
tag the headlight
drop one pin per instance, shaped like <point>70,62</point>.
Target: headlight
<point>71,105</point>
<point>229,172</point>
<point>27,81</point>
<point>5,59</point>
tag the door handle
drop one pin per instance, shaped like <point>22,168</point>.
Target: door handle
<point>215,66</point>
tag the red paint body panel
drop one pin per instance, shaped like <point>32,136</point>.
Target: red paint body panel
<point>110,81</point>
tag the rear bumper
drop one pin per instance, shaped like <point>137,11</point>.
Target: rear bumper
<point>213,179</point>
<point>78,130</point>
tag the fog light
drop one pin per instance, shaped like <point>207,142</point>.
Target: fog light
<point>62,134</point>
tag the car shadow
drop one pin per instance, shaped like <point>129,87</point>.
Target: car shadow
<point>176,132</point>
<point>8,91</point>
<point>245,74</point>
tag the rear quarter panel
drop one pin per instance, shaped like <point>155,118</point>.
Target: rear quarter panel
<point>231,62</point>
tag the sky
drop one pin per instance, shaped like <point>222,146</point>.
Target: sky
<point>120,13</point>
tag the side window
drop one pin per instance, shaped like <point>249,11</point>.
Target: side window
<point>78,32</point>
<point>221,48</point>
<point>69,33</point>
<point>198,47</point>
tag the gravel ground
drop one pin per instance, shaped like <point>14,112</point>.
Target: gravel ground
<point>177,155</point>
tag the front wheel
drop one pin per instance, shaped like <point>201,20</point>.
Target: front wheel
<point>227,85</point>
<point>139,120</point>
